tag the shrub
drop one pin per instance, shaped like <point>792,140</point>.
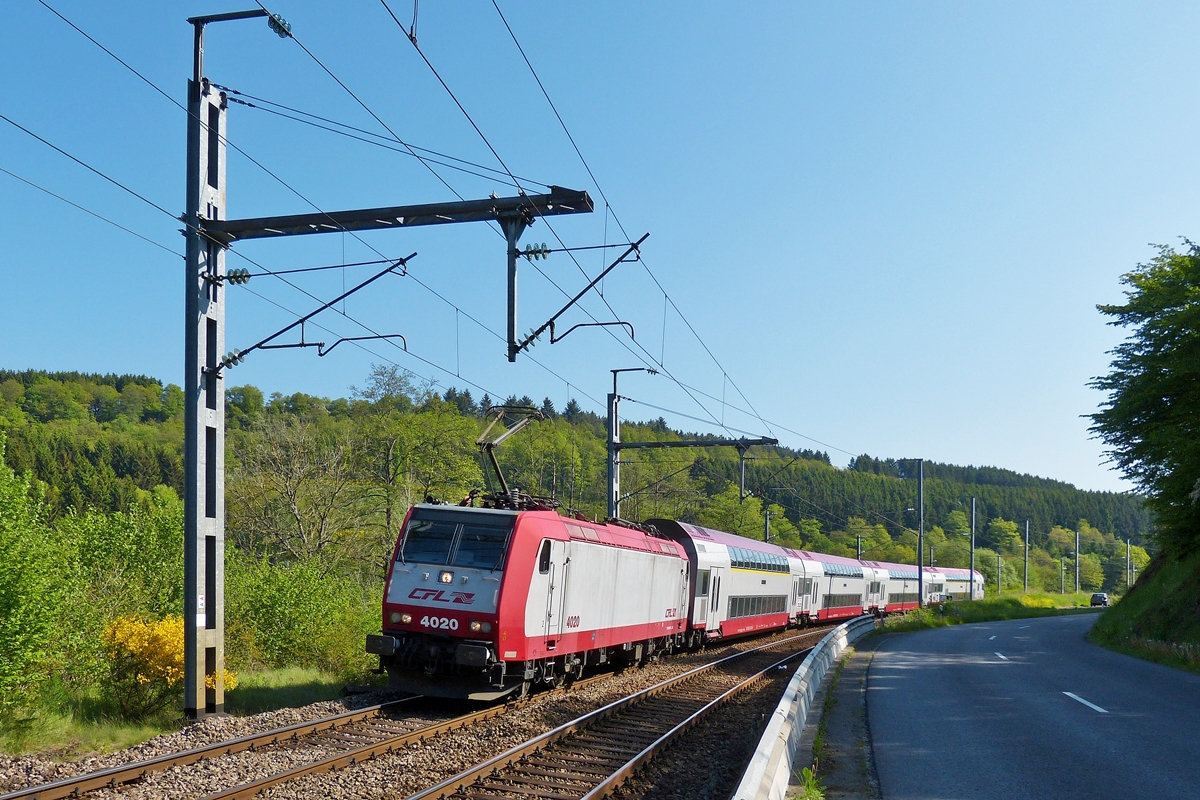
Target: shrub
<point>298,614</point>
<point>30,593</point>
<point>146,668</point>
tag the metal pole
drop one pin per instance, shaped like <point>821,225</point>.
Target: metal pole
<point>204,409</point>
<point>767,526</point>
<point>1062,576</point>
<point>921,532</point>
<point>1077,561</point>
<point>513,228</point>
<point>614,454</point>
<point>859,538</point>
<point>1127,563</point>
<point>1026,556</point>
<point>741,474</point>
<point>999,568</point>
<point>972,548</point>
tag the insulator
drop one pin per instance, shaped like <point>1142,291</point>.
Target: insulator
<point>280,25</point>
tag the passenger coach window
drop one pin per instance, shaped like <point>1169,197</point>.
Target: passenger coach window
<point>428,541</point>
<point>702,583</point>
<point>544,558</point>
<point>481,546</point>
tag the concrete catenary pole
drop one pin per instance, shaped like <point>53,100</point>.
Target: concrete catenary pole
<point>921,532</point>
<point>1127,563</point>
<point>1027,556</point>
<point>1077,561</point>
<point>972,548</point>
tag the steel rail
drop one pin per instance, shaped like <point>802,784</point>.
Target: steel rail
<point>126,773</point>
<point>614,781</point>
<point>464,780</point>
<point>366,752</point>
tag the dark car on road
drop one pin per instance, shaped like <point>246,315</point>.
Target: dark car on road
<point>1100,599</point>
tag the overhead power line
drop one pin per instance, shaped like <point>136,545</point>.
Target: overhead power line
<point>648,359</point>
<point>89,211</point>
<point>604,197</point>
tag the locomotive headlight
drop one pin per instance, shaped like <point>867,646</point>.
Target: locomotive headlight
<point>487,627</point>
<point>476,627</point>
<point>406,618</point>
<point>394,617</point>
<point>445,576</point>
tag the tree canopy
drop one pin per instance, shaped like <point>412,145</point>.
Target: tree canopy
<point>1151,418</point>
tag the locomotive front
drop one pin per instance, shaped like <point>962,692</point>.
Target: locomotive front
<point>441,604</point>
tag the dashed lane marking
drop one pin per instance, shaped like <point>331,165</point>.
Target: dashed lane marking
<point>1022,627</point>
<point>991,637</point>
<point>1005,658</point>
<point>1085,702</point>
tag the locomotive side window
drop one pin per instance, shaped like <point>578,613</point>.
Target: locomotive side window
<point>544,558</point>
<point>481,546</point>
<point>702,579</point>
<point>428,541</point>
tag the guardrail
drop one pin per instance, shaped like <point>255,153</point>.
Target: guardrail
<point>770,768</point>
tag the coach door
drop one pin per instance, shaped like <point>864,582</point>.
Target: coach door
<point>715,595</point>
<point>551,564</point>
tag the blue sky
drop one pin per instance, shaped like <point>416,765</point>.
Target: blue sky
<point>889,223</point>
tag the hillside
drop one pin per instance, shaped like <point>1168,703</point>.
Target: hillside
<point>105,441</point>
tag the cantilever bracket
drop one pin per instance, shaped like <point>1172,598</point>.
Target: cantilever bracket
<point>322,352</point>
<point>554,339</point>
<point>516,347</point>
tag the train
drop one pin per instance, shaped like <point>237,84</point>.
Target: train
<point>490,603</point>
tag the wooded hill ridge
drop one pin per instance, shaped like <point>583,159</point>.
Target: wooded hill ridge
<point>103,441</point>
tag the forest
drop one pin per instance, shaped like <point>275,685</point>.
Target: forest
<point>317,489</point>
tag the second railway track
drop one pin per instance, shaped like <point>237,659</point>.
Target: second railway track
<point>592,756</point>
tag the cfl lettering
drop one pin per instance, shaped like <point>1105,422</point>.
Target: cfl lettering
<point>442,596</point>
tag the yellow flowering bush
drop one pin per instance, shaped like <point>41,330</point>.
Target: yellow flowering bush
<point>146,664</point>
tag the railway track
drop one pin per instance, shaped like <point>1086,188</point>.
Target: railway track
<point>354,736</point>
<point>332,743</point>
<point>592,756</point>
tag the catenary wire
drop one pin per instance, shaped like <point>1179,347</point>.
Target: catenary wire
<point>412,38</point>
<point>299,194</point>
<point>374,138</point>
<point>604,196</point>
<point>89,211</point>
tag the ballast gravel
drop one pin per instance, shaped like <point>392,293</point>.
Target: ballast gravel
<point>397,775</point>
<point>19,772</point>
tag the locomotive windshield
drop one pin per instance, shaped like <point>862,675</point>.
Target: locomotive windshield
<point>457,538</point>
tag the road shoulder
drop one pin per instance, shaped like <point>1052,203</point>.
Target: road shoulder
<point>839,751</point>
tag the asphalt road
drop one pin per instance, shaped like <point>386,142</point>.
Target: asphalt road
<point>980,711</point>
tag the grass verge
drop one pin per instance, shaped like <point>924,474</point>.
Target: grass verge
<point>289,687</point>
<point>86,726</point>
<point>992,609</point>
<point>1159,618</point>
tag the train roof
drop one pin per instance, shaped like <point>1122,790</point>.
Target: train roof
<point>702,534</point>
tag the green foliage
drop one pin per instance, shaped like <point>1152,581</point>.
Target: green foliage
<point>1160,609</point>
<point>30,592</point>
<point>992,609</point>
<point>1149,418</point>
<point>298,614</point>
<point>727,512</point>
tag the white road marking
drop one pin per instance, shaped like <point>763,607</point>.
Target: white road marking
<point>1085,702</point>
<point>1023,627</point>
<point>1004,657</point>
<point>991,637</point>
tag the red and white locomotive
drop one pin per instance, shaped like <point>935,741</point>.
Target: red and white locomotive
<point>481,603</point>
